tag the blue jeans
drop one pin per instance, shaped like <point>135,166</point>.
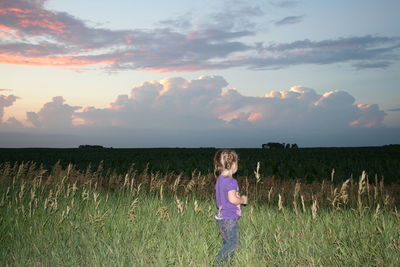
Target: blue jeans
<point>229,230</point>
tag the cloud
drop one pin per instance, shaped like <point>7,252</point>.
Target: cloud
<point>206,112</point>
<point>31,34</point>
<point>206,103</point>
<point>394,109</point>
<point>369,116</point>
<point>284,4</point>
<point>53,115</point>
<point>289,20</point>
<point>6,101</point>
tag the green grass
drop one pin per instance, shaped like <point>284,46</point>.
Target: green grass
<point>91,226</point>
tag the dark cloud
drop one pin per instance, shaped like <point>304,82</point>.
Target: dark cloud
<point>372,65</point>
<point>289,20</point>
<point>31,34</point>
<point>358,51</point>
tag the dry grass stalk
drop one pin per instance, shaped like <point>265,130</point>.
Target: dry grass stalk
<point>377,211</point>
<point>131,212</point>
<point>386,201</point>
<point>126,181</point>
<point>137,190</point>
<point>5,196</point>
<point>344,195</point>
<point>179,205</point>
<point>85,194</point>
<point>161,192</point>
<point>176,183</point>
<point>163,214</point>
<point>257,173</point>
<point>99,218</point>
<point>269,194</point>
<point>295,196</point>
<point>335,197</point>
<point>280,203</point>
<point>197,208</point>
<point>314,208</point>
<point>96,199</point>
<point>361,189</point>
<point>64,214</point>
<point>190,185</point>
<point>303,204</point>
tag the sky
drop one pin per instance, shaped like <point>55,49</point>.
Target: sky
<point>206,73</point>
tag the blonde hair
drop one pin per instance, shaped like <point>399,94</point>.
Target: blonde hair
<point>224,160</point>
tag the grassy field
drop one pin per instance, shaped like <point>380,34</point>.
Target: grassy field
<point>69,217</point>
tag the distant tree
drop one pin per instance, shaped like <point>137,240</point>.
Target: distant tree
<point>272,145</point>
<point>90,146</point>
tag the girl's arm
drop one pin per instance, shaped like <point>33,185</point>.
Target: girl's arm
<point>235,199</point>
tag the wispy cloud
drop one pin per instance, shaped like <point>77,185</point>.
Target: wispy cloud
<point>289,20</point>
<point>31,34</point>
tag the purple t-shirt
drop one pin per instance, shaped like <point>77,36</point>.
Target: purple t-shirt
<point>225,209</point>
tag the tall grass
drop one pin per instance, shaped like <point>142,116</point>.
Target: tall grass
<point>71,217</point>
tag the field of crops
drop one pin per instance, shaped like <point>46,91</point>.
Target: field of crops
<point>68,216</point>
<point>308,164</point>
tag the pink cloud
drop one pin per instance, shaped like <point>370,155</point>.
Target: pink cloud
<point>56,26</point>
<point>369,116</point>
<point>255,116</point>
<point>50,61</point>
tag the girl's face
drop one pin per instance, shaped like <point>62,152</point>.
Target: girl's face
<point>234,167</point>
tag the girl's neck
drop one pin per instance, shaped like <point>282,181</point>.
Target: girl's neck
<point>227,173</point>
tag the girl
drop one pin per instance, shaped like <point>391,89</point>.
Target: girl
<point>228,203</point>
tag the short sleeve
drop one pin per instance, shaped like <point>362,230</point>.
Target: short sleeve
<point>232,185</point>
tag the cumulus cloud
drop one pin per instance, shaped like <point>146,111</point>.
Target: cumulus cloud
<point>31,34</point>
<point>206,103</point>
<point>369,115</point>
<point>6,101</point>
<point>206,112</point>
<point>55,115</point>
